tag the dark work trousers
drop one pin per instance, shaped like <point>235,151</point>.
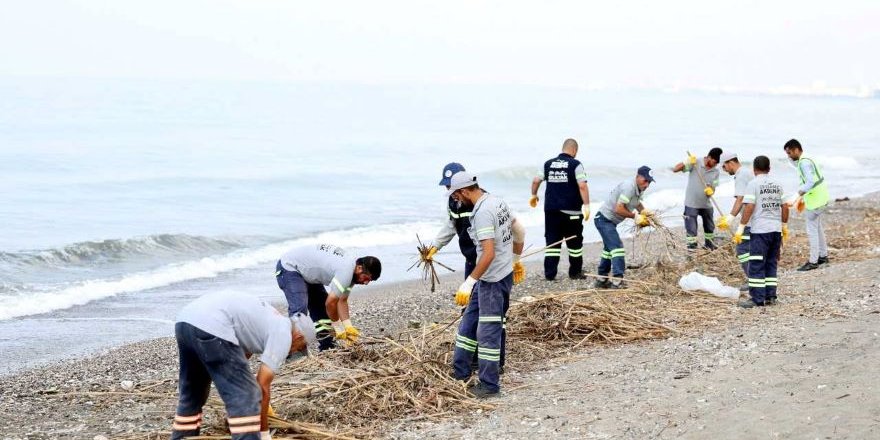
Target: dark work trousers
<point>763,262</point>
<point>742,250</point>
<point>303,297</point>
<point>205,358</point>
<point>690,226</point>
<point>482,326</point>
<point>558,225</point>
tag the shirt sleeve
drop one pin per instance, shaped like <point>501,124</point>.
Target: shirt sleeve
<point>580,174</point>
<point>807,170</point>
<point>277,346</point>
<point>626,194</point>
<point>715,177</point>
<point>751,193</point>
<point>540,175</point>
<point>484,225</point>
<point>447,232</point>
<point>740,187</point>
<point>340,285</point>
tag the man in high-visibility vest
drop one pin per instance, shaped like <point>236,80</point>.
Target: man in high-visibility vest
<point>813,191</point>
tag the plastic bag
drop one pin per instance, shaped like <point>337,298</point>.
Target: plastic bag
<point>696,281</point>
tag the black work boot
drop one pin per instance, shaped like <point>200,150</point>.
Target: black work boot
<point>480,391</point>
<point>748,304</point>
<point>770,302</point>
<point>601,283</point>
<point>616,283</point>
<point>822,260</point>
<point>808,266</point>
<point>577,276</point>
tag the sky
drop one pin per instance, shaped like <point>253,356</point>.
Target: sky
<point>752,45</point>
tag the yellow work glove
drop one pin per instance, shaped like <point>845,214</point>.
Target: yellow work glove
<point>641,220</point>
<point>800,205</point>
<point>586,212</point>
<point>351,332</point>
<point>270,412</point>
<point>691,160</point>
<point>738,237</point>
<point>784,231</point>
<point>709,191</point>
<point>519,271</point>
<point>431,252</point>
<point>533,201</point>
<point>463,295</point>
<point>339,328</point>
<point>724,222</point>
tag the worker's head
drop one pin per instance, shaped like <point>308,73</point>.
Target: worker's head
<point>464,187</point>
<point>367,269</point>
<point>793,149</point>
<point>761,165</point>
<point>730,163</point>
<point>450,169</point>
<point>644,177</point>
<point>570,147</point>
<point>302,332</point>
<point>713,157</point>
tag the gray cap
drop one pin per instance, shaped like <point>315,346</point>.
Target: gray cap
<point>459,180</point>
<point>727,156</point>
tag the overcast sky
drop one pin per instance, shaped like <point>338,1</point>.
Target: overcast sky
<point>749,44</point>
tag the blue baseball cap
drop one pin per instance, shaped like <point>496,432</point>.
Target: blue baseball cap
<point>448,171</point>
<point>645,171</point>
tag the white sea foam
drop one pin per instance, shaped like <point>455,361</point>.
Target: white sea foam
<point>35,301</point>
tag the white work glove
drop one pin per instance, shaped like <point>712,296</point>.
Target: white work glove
<point>463,295</point>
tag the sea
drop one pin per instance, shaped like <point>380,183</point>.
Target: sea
<point>122,199</point>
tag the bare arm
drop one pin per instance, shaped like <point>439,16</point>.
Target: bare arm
<point>264,378</point>
<point>785,213</point>
<point>343,308</point>
<point>747,213</point>
<point>486,257</point>
<point>332,307</point>
<point>679,167</point>
<point>620,209</point>
<point>536,183</point>
<point>585,192</point>
<point>737,206</point>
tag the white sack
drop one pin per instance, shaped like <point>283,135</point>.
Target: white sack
<point>695,281</point>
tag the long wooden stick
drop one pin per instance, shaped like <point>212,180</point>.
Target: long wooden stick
<point>700,175</point>
<point>538,251</point>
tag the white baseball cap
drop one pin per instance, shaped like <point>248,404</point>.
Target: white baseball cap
<point>727,156</point>
<point>459,180</point>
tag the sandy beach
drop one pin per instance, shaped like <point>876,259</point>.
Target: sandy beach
<point>804,368</point>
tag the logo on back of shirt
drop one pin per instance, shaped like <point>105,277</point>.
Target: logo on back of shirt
<point>330,249</point>
<point>557,176</point>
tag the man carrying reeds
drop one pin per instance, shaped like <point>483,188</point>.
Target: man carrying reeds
<point>741,176</point>
<point>702,181</point>
<point>767,214</point>
<point>498,237</point>
<point>303,272</point>
<point>457,223</point>
<point>624,201</point>
<point>216,334</point>
<point>566,208</point>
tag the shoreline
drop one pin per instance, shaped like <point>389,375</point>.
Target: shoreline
<point>30,396</point>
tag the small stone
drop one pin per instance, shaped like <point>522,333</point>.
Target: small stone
<point>127,385</point>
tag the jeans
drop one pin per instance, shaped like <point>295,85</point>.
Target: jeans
<point>205,358</point>
<point>613,253</point>
<point>305,297</point>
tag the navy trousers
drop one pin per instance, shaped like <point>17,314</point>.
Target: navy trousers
<point>205,358</point>
<point>742,250</point>
<point>613,253</point>
<point>482,327</point>
<point>559,225</point>
<point>303,297</point>
<point>763,262</point>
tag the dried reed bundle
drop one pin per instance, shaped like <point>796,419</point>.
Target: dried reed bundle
<point>427,265</point>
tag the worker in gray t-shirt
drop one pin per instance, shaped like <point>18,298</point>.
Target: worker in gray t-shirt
<point>303,272</point>
<point>702,181</point>
<point>216,334</point>
<point>767,214</point>
<point>742,176</point>
<point>499,239</point>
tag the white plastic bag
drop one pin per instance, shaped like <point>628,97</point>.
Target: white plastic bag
<point>697,281</point>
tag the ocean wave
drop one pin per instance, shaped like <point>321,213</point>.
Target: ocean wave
<point>90,252</point>
<point>40,299</point>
